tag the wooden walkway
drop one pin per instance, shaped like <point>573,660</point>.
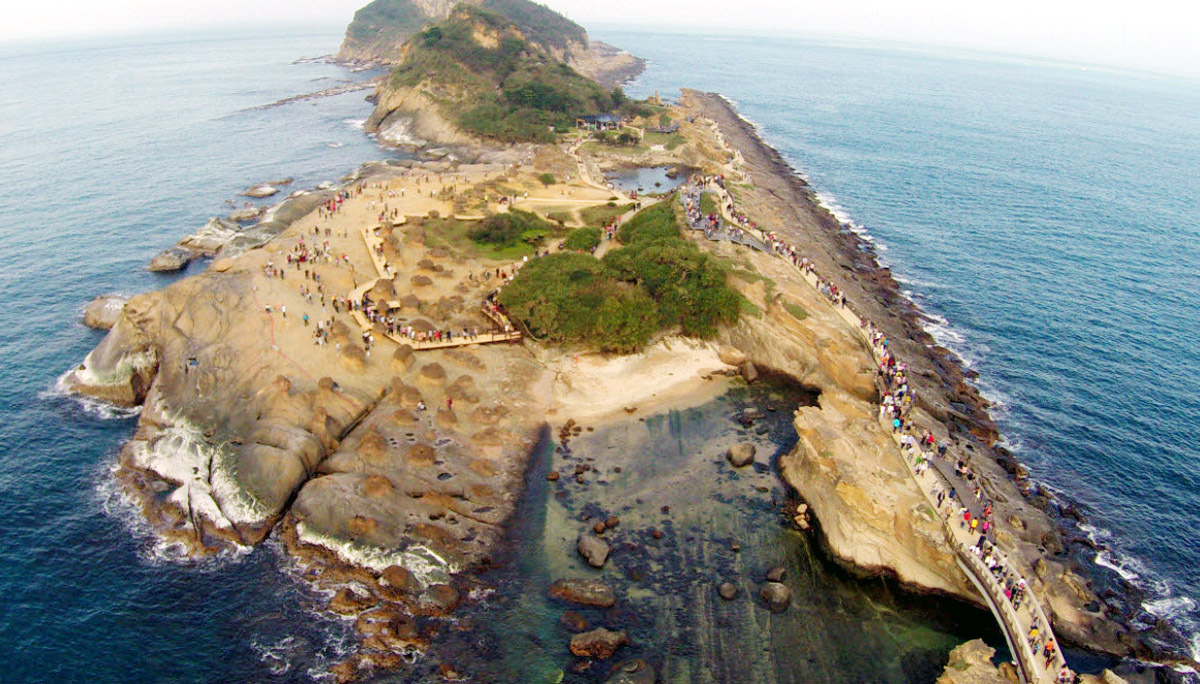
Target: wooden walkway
<point>1015,623</point>
<point>503,329</point>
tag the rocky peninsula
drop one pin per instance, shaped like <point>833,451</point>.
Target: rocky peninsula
<point>299,387</point>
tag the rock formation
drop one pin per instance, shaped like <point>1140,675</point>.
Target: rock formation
<point>104,311</point>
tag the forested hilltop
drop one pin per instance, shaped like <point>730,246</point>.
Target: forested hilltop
<point>379,31</point>
<point>481,75</point>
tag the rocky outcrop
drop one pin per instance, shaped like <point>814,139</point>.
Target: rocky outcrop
<point>104,311</point>
<point>584,592</point>
<point>171,260</point>
<point>600,643</point>
<point>971,663</point>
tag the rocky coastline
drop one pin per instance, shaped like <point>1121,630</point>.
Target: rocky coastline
<point>250,429</point>
<point>947,394</point>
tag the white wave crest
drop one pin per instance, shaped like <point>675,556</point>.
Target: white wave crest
<point>90,405</point>
<point>423,563</point>
<point>356,124</point>
<point>155,550</point>
<point>399,132</point>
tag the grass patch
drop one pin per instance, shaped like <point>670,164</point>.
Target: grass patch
<point>796,311</point>
<point>708,205</point>
<point>667,140</point>
<point>748,307</point>
<point>455,236</point>
<point>602,215</point>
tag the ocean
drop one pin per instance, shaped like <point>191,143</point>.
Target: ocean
<point>1042,214</point>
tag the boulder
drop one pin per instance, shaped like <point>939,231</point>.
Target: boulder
<point>443,598</point>
<point>584,592</point>
<point>776,574</point>
<point>635,671</point>
<point>260,191</point>
<point>593,549</point>
<point>246,215</point>
<point>212,236</point>
<point>741,455</point>
<point>727,591</point>
<point>749,372</point>
<point>103,311</point>
<point>731,356</point>
<point>171,259</point>
<point>599,643</point>
<point>573,622</point>
<point>776,595</point>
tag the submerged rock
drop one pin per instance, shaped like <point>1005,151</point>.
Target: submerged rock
<point>741,455</point>
<point>599,643</point>
<point>776,595</point>
<point>103,311</point>
<point>573,622</point>
<point>727,591</point>
<point>776,574</point>
<point>593,549</point>
<point>584,591</point>
<point>635,671</point>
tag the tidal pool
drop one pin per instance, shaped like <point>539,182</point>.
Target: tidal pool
<point>651,180</point>
<point>667,473</point>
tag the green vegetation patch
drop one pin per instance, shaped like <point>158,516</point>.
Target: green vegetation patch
<point>513,91</point>
<point>796,311</point>
<point>547,179</point>
<point>603,214</point>
<point>657,280</point>
<point>582,239</point>
<point>507,230</point>
<point>708,205</point>
<point>455,235</point>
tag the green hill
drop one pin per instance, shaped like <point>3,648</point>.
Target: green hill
<point>380,29</point>
<point>495,78</point>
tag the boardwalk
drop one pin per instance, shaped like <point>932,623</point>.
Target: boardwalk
<point>1015,623</point>
<point>503,330</point>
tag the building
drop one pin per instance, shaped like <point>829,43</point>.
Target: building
<point>599,122</point>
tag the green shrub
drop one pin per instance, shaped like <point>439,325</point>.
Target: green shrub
<point>509,229</point>
<point>654,223</point>
<point>582,239</point>
<point>547,179</point>
<point>657,280</point>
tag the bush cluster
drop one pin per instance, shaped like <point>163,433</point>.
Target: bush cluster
<point>657,280</point>
<point>505,230</point>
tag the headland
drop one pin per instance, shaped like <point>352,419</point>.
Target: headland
<point>334,376</point>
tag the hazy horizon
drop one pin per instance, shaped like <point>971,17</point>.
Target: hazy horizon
<point>1156,38</point>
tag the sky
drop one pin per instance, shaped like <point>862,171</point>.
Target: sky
<point>1156,35</point>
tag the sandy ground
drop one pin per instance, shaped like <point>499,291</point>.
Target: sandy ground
<point>601,387</point>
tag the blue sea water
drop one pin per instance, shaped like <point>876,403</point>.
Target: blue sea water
<point>109,152</point>
<point>1045,214</point>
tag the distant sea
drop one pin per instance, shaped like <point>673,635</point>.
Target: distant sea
<point>1044,215</point>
